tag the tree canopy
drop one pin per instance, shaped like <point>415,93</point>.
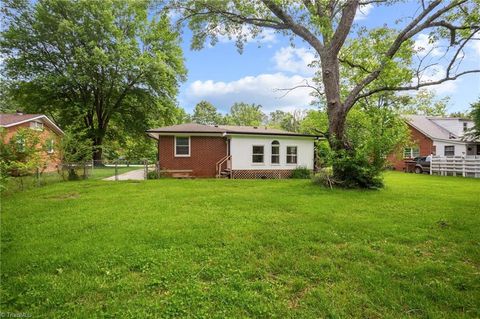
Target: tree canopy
<point>378,61</point>
<point>92,64</point>
<point>206,113</point>
<point>245,114</point>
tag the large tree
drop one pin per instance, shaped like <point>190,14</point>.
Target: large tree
<point>206,113</point>
<point>91,63</point>
<point>326,25</point>
<point>245,114</point>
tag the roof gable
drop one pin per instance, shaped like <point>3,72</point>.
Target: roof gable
<point>9,120</point>
<point>432,127</point>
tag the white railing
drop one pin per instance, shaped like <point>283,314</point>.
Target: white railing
<point>466,166</point>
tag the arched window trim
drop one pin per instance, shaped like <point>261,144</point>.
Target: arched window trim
<point>275,155</point>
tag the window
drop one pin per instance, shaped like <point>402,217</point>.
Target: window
<point>257,154</point>
<point>182,146</point>
<point>449,150</point>
<point>36,126</point>
<point>275,152</point>
<point>49,145</point>
<point>411,152</point>
<point>291,155</point>
<point>20,144</point>
<point>465,126</point>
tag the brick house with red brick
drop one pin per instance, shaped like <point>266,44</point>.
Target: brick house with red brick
<point>231,151</point>
<point>49,134</point>
<point>442,136</point>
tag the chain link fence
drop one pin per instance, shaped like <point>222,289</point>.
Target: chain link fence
<point>92,170</point>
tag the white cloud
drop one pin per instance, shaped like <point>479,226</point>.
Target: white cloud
<point>476,47</point>
<point>295,60</point>
<point>261,89</point>
<point>435,73</point>
<point>423,46</point>
<point>363,12</point>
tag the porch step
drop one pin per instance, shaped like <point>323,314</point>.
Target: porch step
<point>226,173</point>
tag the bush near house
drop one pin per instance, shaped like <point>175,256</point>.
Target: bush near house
<point>243,248</point>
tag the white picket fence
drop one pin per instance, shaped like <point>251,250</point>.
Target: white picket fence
<point>466,166</point>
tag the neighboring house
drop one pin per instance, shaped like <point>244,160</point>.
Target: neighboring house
<point>232,151</point>
<point>442,136</point>
<point>49,134</point>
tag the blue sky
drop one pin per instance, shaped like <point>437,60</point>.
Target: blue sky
<point>221,75</point>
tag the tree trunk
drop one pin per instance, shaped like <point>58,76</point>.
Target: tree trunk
<point>335,109</point>
<point>97,151</point>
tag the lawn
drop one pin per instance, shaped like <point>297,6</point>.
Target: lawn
<point>243,248</point>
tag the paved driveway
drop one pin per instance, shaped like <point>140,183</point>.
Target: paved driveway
<point>138,174</point>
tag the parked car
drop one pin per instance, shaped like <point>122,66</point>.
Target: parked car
<point>422,164</point>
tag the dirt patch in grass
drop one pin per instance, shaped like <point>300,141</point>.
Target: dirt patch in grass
<point>73,195</point>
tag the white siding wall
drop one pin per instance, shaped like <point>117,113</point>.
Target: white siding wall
<point>454,126</point>
<point>241,151</point>
<point>440,148</point>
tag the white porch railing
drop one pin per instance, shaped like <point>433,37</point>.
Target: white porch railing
<point>466,166</point>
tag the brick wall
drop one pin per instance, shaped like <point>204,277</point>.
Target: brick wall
<point>205,152</point>
<point>50,161</point>
<point>424,144</point>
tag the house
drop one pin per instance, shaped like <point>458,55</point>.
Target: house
<point>232,151</point>
<point>49,134</point>
<point>442,136</point>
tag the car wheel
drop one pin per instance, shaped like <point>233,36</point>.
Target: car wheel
<point>418,170</point>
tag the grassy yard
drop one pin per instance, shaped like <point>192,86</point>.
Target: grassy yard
<point>243,248</point>
<point>17,184</point>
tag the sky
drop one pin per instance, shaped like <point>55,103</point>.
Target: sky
<point>222,76</point>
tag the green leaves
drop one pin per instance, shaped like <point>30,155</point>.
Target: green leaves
<point>92,62</point>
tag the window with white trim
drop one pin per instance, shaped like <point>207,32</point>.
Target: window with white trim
<point>449,150</point>
<point>182,146</point>
<point>34,125</point>
<point>275,152</point>
<point>50,146</point>
<point>411,152</point>
<point>257,154</point>
<point>291,155</point>
<point>465,126</point>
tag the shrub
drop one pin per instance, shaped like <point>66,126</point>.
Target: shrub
<point>301,173</point>
<point>324,177</point>
<point>354,170</point>
<point>155,175</point>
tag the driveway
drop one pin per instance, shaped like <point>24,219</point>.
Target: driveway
<point>138,174</point>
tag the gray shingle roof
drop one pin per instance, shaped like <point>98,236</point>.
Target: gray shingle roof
<point>428,127</point>
<point>8,119</point>
<point>224,129</point>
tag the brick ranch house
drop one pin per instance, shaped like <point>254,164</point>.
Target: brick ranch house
<point>232,151</point>
<point>442,136</point>
<point>49,133</point>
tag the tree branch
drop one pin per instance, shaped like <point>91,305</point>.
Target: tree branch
<point>413,28</point>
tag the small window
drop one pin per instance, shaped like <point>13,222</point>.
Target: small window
<point>257,154</point>
<point>449,150</point>
<point>36,126</point>
<point>50,146</point>
<point>411,152</point>
<point>20,144</point>
<point>291,155</point>
<point>465,126</point>
<point>275,152</point>
<point>182,146</point>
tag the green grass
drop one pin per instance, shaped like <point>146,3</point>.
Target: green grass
<point>243,248</point>
<point>18,184</point>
